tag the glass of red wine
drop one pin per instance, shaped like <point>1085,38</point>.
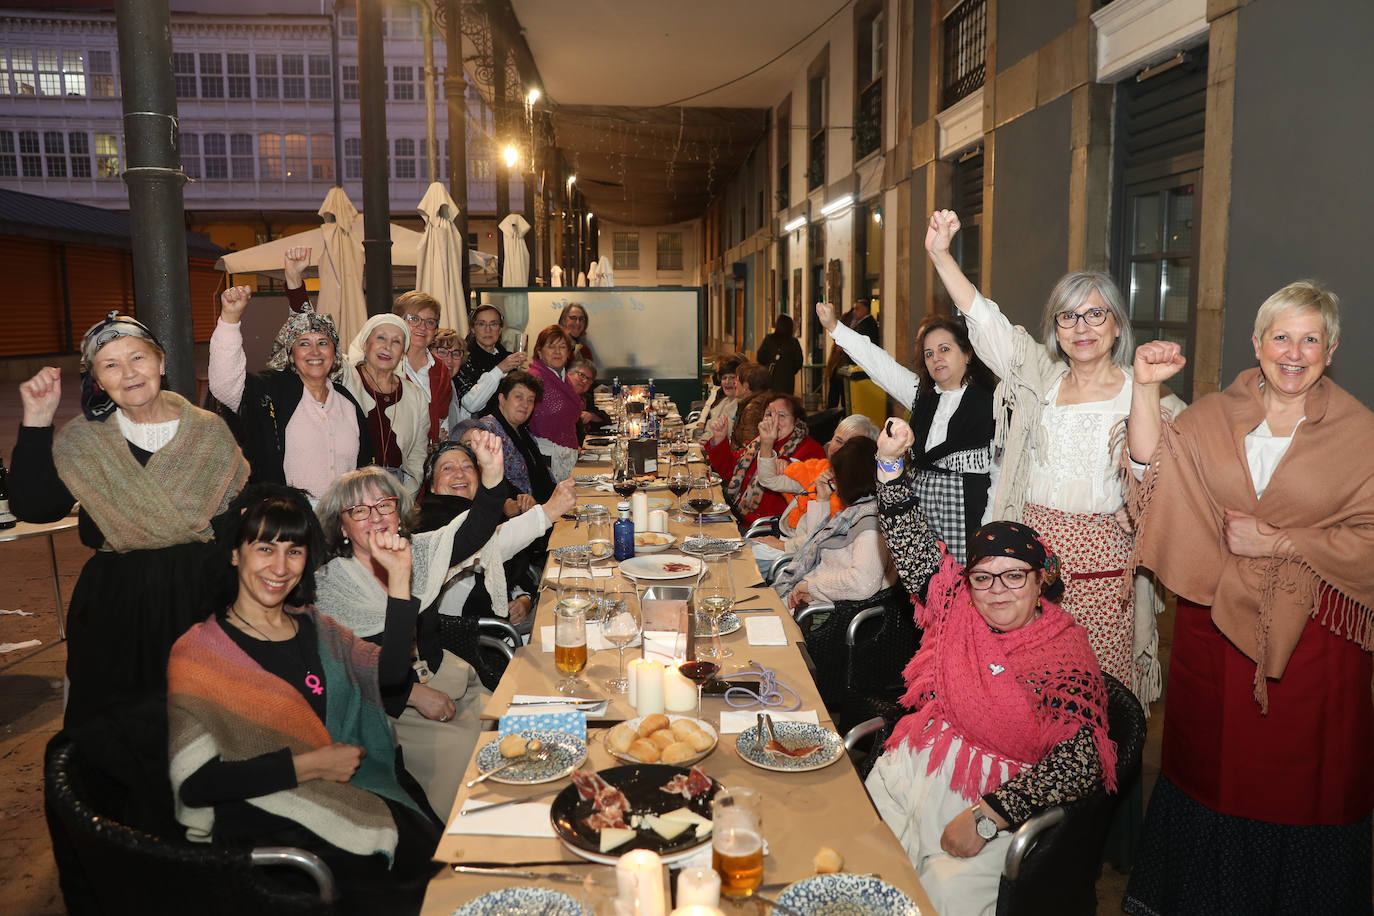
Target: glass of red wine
<point>623,482</point>
<point>699,500</point>
<point>699,672</point>
<point>678,484</point>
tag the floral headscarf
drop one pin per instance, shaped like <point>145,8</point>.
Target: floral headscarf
<point>304,323</point>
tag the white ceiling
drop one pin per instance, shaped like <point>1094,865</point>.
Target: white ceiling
<point>656,52</point>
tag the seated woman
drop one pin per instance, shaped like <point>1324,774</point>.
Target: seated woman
<point>781,428</point>
<point>277,734</point>
<point>283,444</point>
<point>754,395</point>
<point>1009,705</point>
<point>721,398</point>
<point>434,711</point>
<point>554,421</point>
<point>451,350</point>
<point>503,584</point>
<point>592,419</point>
<point>526,468</point>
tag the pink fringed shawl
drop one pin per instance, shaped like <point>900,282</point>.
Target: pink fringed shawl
<point>1009,697</point>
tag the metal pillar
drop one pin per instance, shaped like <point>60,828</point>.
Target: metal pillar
<point>376,193</point>
<point>431,137</point>
<point>455,96</point>
<point>500,107</point>
<point>157,221</point>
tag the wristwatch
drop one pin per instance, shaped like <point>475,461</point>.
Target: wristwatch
<point>986,826</point>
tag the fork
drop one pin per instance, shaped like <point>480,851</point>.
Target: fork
<point>538,756</point>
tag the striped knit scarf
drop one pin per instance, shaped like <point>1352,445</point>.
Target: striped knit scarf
<point>222,704</point>
<point>172,498</point>
<point>747,496</point>
<point>842,528</point>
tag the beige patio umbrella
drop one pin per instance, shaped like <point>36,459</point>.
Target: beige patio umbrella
<point>439,258</point>
<point>341,265</point>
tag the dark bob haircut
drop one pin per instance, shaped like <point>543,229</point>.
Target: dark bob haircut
<point>267,512</point>
<point>856,471</point>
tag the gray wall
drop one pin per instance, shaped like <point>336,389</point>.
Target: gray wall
<point>1030,217</point>
<point>1025,26</point>
<point>920,65</point>
<point>1301,191</point>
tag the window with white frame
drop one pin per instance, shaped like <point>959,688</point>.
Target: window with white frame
<point>321,82</point>
<point>403,84</point>
<point>102,81</point>
<point>297,155</point>
<point>270,157</point>
<point>239,76</point>
<point>626,250</point>
<point>30,154</point>
<point>348,23</point>
<point>479,170</point>
<point>55,153</point>
<point>9,162</point>
<point>322,157</point>
<point>79,149</point>
<point>265,66</point>
<point>184,73</point>
<point>353,157</point>
<point>107,155</point>
<point>670,251</point>
<point>216,157</point>
<point>293,76</point>
<point>49,71</point>
<point>190,155</point>
<point>443,164</point>
<point>350,82</point>
<point>241,157</point>
<point>403,21</point>
<point>404,160</point>
<point>211,76</point>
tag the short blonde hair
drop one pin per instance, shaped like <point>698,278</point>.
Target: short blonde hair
<point>415,302</point>
<point>1302,296</point>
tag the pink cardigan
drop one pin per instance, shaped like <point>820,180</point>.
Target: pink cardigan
<point>555,416</point>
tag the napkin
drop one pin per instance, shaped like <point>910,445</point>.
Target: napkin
<point>569,721</point>
<point>765,631</point>
<point>531,819</point>
<point>554,703</point>
<point>737,720</point>
<point>598,572</point>
<point>595,641</point>
<point>660,644</point>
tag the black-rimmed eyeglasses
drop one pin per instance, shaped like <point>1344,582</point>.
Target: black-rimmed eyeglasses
<point>1093,317</point>
<point>363,511</point>
<point>429,323</point>
<point>1010,578</point>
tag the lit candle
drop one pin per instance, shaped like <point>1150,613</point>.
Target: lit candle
<point>695,909</point>
<point>648,676</point>
<point>679,693</point>
<point>640,874</point>
<point>699,886</point>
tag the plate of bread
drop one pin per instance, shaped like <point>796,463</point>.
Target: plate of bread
<point>661,738</point>
<point>653,541</point>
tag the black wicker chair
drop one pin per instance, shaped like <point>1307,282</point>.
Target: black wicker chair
<point>485,643</point>
<point>106,867</point>
<point>1055,857</point>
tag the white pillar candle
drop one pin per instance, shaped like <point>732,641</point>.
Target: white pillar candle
<point>640,874</point>
<point>658,521</point>
<point>696,909</point>
<point>648,676</point>
<point>679,693</point>
<point>639,510</point>
<point>698,886</point>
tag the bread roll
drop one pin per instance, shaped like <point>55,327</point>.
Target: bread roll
<point>677,752</point>
<point>645,751</point>
<point>513,746</point>
<point>700,740</point>
<point>684,727</point>
<point>620,738</point>
<point>663,737</point>
<point>651,724</point>
<point>827,861</point>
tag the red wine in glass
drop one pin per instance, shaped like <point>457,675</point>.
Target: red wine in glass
<point>625,487</point>
<point>679,485</point>
<point>698,672</point>
<point>700,504</point>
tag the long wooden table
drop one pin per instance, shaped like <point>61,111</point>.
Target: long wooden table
<point>802,811</point>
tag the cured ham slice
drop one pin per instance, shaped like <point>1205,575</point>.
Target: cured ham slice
<point>589,784</point>
<point>690,784</point>
<point>778,747</point>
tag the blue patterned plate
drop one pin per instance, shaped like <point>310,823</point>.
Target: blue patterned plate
<point>568,754</point>
<point>843,894</point>
<point>792,734</point>
<point>576,555</point>
<point>729,623</point>
<point>518,901</point>
<point>698,547</point>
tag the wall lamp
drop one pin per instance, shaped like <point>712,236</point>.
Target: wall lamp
<point>795,224</point>
<point>837,204</point>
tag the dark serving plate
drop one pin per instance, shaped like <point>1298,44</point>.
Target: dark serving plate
<point>642,785</point>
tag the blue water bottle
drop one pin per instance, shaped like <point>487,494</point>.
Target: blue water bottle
<point>651,390</point>
<point>623,533</point>
<point>615,387</point>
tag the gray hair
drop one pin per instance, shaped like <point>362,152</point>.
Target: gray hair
<point>351,489</point>
<point>1072,291</point>
<point>580,363</point>
<point>1302,296</point>
<point>856,424</point>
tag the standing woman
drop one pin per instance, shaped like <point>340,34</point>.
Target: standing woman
<point>451,350</point>
<point>554,421</point>
<point>1060,454</point>
<point>396,410</point>
<point>950,399</point>
<point>151,471</point>
<point>296,421</point>
<point>781,354</point>
<point>428,373</point>
<point>573,319</point>
<point>1259,512</point>
<point>487,363</point>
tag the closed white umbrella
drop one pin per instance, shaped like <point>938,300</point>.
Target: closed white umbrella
<point>439,260</point>
<point>341,265</point>
<point>516,271</point>
<point>605,273</point>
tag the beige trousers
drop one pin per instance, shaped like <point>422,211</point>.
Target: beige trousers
<point>436,753</point>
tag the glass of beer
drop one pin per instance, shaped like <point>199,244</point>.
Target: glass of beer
<point>737,840</point>
<point>570,635</point>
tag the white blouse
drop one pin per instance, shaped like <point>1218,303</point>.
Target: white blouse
<point>148,436</point>
<point>1264,451</point>
<point>1077,470</point>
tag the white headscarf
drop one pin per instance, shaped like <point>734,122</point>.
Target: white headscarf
<point>356,347</point>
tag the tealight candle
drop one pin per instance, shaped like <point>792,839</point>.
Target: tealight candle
<point>679,693</point>
<point>640,873</point>
<point>699,886</point>
<point>647,684</point>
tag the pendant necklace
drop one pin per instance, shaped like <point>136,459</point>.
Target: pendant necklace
<point>312,680</point>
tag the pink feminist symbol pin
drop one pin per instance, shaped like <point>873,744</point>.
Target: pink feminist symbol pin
<point>313,682</point>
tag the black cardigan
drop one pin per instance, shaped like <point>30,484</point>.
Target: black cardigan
<point>972,426</point>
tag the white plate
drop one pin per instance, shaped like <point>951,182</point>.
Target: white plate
<point>792,734</point>
<point>568,754</point>
<point>654,567</point>
<point>672,717</point>
<point>654,548</point>
<point>658,502</point>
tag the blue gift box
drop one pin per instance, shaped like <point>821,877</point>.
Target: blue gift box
<point>572,722</point>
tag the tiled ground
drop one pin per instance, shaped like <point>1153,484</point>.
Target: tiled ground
<point>31,702</point>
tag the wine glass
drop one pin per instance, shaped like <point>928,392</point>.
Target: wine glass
<point>621,625</point>
<point>623,481</point>
<point>679,482</point>
<point>714,596</point>
<point>699,499</point>
<point>697,670</point>
<point>570,629</point>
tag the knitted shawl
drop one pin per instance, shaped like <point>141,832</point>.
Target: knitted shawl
<point>1010,697</point>
<point>172,498</point>
<point>222,704</point>
<point>555,416</point>
<point>841,529</point>
<point>743,488</point>
<point>1322,496</point>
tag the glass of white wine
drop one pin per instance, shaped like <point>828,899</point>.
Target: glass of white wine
<point>621,625</point>
<point>570,629</point>
<point>714,595</point>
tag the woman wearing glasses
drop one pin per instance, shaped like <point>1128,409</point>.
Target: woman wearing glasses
<point>1008,703</point>
<point>1060,458</point>
<point>488,362</point>
<point>582,376</point>
<point>420,311</point>
<point>435,711</point>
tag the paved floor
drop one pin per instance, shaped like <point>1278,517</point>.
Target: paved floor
<point>31,702</point>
